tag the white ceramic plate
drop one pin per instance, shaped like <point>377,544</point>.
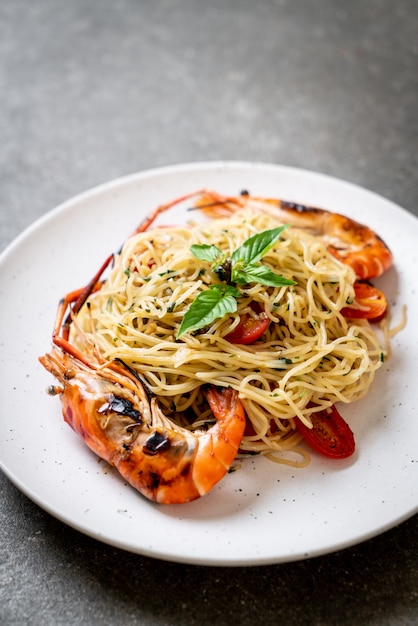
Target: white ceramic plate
<point>264,513</point>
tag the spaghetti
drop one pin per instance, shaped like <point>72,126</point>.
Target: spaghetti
<point>309,358</point>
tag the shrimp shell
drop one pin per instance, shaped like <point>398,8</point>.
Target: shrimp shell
<point>349,241</point>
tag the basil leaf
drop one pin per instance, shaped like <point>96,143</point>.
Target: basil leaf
<point>254,248</point>
<point>260,274</point>
<point>204,252</point>
<point>210,304</point>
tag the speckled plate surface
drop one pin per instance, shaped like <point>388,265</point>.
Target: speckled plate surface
<point>263,513</point>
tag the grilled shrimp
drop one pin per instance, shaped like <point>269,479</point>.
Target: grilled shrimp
<point>349,241</point>
<point>112,411</point>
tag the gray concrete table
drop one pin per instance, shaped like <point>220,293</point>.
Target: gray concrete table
<point>94,90</point>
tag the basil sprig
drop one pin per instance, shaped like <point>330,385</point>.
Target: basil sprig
<point>241,268</point>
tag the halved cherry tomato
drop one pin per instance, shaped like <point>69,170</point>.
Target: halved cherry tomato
<point>330,434</point>
<point>249,328</point>
<point>371,300</point>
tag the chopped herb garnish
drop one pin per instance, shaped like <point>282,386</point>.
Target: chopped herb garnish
<point>166,272</point>
<point>281,364</point>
